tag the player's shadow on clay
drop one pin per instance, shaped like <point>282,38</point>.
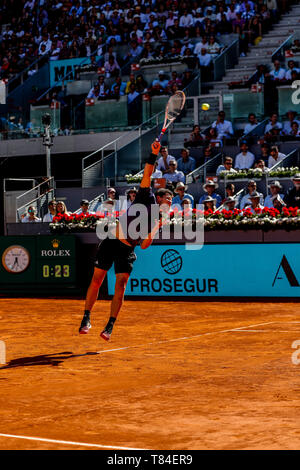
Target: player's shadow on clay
<point>54,359</point>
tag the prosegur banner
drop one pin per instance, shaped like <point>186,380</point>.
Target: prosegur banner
<point>60,68</point>
<point>244,270</point>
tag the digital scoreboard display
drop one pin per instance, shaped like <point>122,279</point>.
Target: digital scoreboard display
<point>41,259</point>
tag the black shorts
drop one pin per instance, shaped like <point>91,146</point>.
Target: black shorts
<point>112,251</point>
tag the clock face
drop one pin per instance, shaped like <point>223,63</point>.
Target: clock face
<point>15,259</point>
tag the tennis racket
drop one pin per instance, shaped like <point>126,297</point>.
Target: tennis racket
<point>173,109</point>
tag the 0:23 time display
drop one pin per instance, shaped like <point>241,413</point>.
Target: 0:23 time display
<point>57,271</point>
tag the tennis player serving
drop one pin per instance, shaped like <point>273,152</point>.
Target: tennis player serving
<point>120,250</point>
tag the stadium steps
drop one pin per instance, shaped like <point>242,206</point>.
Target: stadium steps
<point>261,53</point>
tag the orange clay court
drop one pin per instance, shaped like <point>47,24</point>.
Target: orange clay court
<point>175,376</point>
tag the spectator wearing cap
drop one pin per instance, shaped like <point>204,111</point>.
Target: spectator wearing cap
<point>210,190</point>
<point>229,203</point>
<point>164,160</point>
<point>130,197</point>
<point>275,156</point>
<point>278,202</point>
<point>275,188</point>
<point>287,125</point>
<point>244,159</point>
<point>51,212</point>
<point>273,124</point>
<point>84,206</point>
<point>292,197</point>
<point>251,188</point>
<point>209,203</point>
<point>186,163</point>
<point>173,175</point>
<point>224,127</point>
<point>160,84</point>
<point>254,202</point>
<point>181,194</point>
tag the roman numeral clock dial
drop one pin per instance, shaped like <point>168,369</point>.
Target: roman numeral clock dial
<point>15,259</point>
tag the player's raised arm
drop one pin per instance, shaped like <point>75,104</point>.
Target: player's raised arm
<point>149,166</point>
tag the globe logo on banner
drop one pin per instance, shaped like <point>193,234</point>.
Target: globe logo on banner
<point>171,262</point>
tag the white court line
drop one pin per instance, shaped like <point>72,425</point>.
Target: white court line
<point>182,338</point>
<point>267,331</point>
<point>70,443</point>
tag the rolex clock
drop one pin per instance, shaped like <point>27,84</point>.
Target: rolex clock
<point>16,259</point>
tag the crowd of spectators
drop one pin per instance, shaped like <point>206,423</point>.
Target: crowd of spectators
<point>63,29</point>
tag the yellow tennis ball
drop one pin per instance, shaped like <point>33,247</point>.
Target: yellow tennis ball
<point>205,106</point>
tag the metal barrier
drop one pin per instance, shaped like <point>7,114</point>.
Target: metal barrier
<point>278,54</point>
<point>39,196</point>
<point>208,167</point>
<point>226,60</point>
<point>287,161</point>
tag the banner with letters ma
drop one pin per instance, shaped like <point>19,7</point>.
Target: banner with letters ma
<point>237,270</point>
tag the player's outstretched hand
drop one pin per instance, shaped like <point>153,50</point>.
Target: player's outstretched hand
<point>155,147</point>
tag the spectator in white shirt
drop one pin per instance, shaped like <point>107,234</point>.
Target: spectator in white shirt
<point>224,128</point>
<point>45,41</point>
<point>200,45</point>
<point>227,166</point>
<point>31,216</point>
<point>164,160</point>
<point>278,73</point>
<point>252,123</point>
<point>255,202</point>
<point>84,206</point>
<point>204,58</point>
<point>244,159</point>
<point>275,188</point>
<point>287,125</point>
<point>51,212</point>
<point>275,156</point>
<point>156,173</point>
<point>273,124</point>
<point>173,175</point>
<point>245,201</point>
<point>291,67</point>
<point>186,20</point>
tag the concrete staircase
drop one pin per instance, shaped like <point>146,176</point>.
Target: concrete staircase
<point>262,53</point>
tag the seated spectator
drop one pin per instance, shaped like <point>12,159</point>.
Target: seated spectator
<point>112,68</point>
<point>186,207</point>
<point>264,152</point>
<point>130,82</point>
<point>84,206</point>
<point>204,59</point>
<point>224,128</point>
<point>287,125</point>
<point>278,202</point>
<point>209,203</point>
<point>141,84</point>
<point>51,211</point>
<point>296,46</point>
<point>174,80</point>
<point>260,164</point>
<point>109,206</point>
<point>210,190</point>
<point>229,203</point>
<point>134,52</point>
<point>130,197</point>
<point>186,163</point>
<point>252,123</point>
<point>207,153</point>
<point>275,188</point>
<point>251,188</point>
<point>291,67</point>
<point>159,85</point>
<point>189,59</point>
<point>227,166</point>
<point>61,208</point>
<point>196,138</point>
<point>177,200</point>
<point>244,159</point>
<point>134,105</point>
<point>164,160</point>
<point>278,72</point>
<point>275,156</point>
<point>213,47</point>
<point>203,44</point>
<point>31,215</point>
<point>295,132</point>
<point>230,189</point>
<point>213,139</point>
<point>273,124</point>
<point>94,92</point>
<point>292,197</point>
<point>254,202</point>
<point>156,173</point>
<point>173,175</point>
<point>120,84</point>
